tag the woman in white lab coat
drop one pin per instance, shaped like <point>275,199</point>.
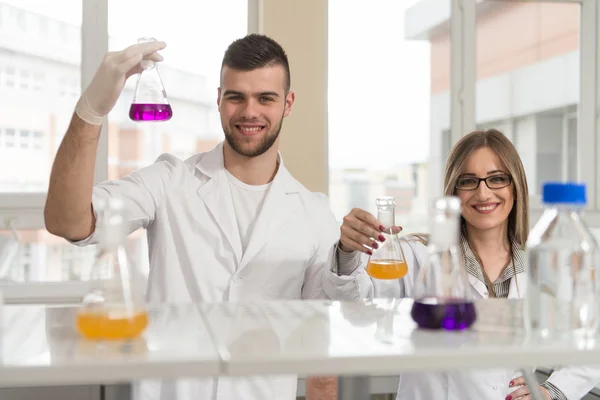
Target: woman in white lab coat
<point>485,171</point>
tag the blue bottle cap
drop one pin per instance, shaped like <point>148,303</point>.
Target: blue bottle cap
<point>564,193</point>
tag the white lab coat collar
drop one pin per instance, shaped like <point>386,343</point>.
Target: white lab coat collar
<point>276,208</point>
<point>517,289</point>
<point>212,165</point>
<point>518,283</point>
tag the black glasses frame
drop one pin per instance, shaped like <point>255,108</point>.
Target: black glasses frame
<point>479,180</point>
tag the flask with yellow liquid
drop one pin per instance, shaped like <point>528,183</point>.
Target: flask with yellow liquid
<point>387,261</point>
<point>114,308</point>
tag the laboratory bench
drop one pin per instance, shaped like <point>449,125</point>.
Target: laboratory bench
<point>366,343</point>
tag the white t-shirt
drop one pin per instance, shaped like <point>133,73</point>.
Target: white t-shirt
<point>247,202</point>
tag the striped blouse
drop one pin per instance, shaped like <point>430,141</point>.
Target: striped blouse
<point>502,284</point>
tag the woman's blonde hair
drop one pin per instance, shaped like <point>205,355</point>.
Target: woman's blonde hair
<point>518,219</point>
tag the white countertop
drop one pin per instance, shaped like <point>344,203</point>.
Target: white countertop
<point>361,338</point>
<point>40,345</point>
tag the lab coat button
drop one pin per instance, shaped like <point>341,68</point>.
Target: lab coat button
<point>235,279</point>
<point>495,387</point>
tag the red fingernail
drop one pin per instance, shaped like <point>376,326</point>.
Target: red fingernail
<point>508,398</point>
<point>381,228</point>
<point>369,253</point>
<point>375,245</point>
<point>381,238</point>
<point>511,383</point>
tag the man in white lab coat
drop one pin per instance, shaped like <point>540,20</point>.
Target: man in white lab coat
<point>226,225</point>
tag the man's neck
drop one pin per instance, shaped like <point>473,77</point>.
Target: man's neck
<point>258,170</point>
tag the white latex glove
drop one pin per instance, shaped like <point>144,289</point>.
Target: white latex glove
<point>108,82</point>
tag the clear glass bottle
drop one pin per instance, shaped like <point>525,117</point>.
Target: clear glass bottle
<point>387,261</point>
<point>562,255</point>
<point>114,308</point>
<point>150,101</point>
<point>442,291</point>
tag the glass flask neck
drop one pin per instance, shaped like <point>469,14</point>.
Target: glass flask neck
<point>147,64</point>
<point>386,217</point>
<point>111,236</point>
<point>386,210</point>
<point>445,230</point>
<point>111,228</point>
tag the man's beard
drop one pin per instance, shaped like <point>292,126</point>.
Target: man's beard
<point>265,144</point>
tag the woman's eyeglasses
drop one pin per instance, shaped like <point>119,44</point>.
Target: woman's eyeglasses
<point>493,182</point>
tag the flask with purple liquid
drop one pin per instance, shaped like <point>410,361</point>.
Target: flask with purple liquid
<point>150,101</point>
<point>442,290</point>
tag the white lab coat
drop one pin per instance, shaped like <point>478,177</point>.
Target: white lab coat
<point>196,253</point>
<point>574,382</point>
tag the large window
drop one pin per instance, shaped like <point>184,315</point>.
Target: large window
<point>40,73</point>
<point>190,74</point>
<point>40,60</point>
<point>528,82</point>
<point>381,94</point>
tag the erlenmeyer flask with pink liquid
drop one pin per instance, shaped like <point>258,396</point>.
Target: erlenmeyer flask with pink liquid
<point>150,103</point>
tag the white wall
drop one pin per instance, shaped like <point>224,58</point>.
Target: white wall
<point>304,139</point>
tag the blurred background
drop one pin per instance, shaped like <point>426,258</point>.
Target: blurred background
<point>374,106</point>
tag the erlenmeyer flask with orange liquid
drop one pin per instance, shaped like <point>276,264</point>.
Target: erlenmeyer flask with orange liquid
<point>114,308</point>
<point>387,261</point>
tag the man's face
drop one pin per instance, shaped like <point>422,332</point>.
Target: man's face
<point>252,105</point>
